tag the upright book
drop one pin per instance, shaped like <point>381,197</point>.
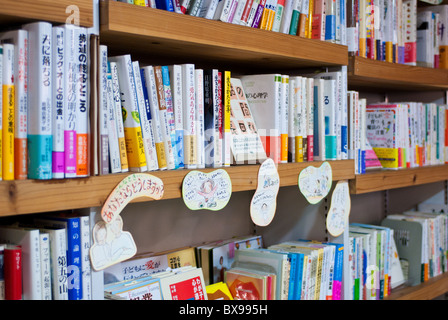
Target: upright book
<point>8,110</point>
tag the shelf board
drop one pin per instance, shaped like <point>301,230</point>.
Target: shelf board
<point>428,290</point>
<point>157,33</point>
<point>368,74</point>
<point>13,12</point>
<point>33,196</point>
<point>380,180</point>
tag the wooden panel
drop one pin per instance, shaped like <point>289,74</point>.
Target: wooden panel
<point>368,74</point>
<point>392,179</point>
<point>156,32</point>
<point>17,12</point>
<point>428,290</point>
<point>32,196</point>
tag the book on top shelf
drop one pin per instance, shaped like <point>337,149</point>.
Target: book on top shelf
<point>8,110</point>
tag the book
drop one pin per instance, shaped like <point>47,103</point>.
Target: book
<point>2,275</point>
<point>13,266</point>
<point>105,157</point>
<point>1,101</point>
<point>141,290</point>
<point>8,110</point>
<point>199,99</point>
<point>39,98</point>
<point>226,134</point>
<point>187,285</point>
<point>309,143</point>
<point>19,38</point>
<point>131,117</point>
<point>410,23</point>
<point>190,131</point>
<point>45,265</point>
<point>175,72</point>
<point>218,291</point>
<point>247,284</point>
<point>319,121</point>
<point>284,115</point>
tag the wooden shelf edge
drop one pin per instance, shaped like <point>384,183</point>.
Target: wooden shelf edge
<point>23,11</point>
<point>380,180</point>
<point>373,74</point>
<point>428,290</point>
<point>34,196</point>
<point>153,30</point>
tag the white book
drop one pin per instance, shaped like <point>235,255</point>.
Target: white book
<point>252,13</point>
<point>119,117</point>
<point>227,8</point>
<point>239,11</point>
<point>319,125</point>
<point>82,102</point>
<point>114,158</point>
<point>425,37</point>
<point>209,8</point>
<point>104,162</point>
<point>212,148</point>
<point>8,109</point>
<point>85,258</point>
<point>44,239</point>
<point>190,132</point>
<point>149,79</point>
<point>58,251</point>
<point>292,118</point>
<point>131,118</point>
<point>286,19</point>
<point>147,129</point>
<point>39,100</point>
<point>70,103</point>
<point>310,119</point>
<point>170,114</point>
<point>28,239</point>
<point>20,40</point>
<point>177,94</point>
<point>199,99</point>
<point>284,114</point>
<point>330,118</point>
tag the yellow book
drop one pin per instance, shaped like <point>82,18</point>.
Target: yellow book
<point>218,291</point>
<point>140,3</point>
<point>309,20</point>
<point>299,149</point>
<point>226,118</point>
<point>1,104</point>
<point>388,157</point>
<point>443,57</point>
<point>284,120</point>
<point>8,112</point>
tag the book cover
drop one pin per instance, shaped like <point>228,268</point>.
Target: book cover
<point>131,117</point>
<point>103,114</point>
<point>218,291</point>
<point>39,98</point>
<point>144,290</point>
<point>246,285</point>
<point>190,131</point>
<point>20,40</point>
<point>12,269</point>
<point>188,285</point>
<point>319,120</point>
<point>175,72</point>
<point>199,99</point>
<point>286,16</point>
<point>8,110</point>
<point>226,134</point>
<point>292,119</point>
<point>45,265</point>
<point>309,143</point>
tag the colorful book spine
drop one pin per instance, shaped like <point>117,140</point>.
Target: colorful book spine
<point>103,113</point>
<point>176,82</point>
<point>226,143</point>
<point>301,30</point>
<point>299,117</point>
<point>330,20</point>
<point>310,119</point>
<point>8,109</point>
<point>119,117</point>
<point>148,78</point>
<point>295,17</point>
<point>258,14</point>
<point>13,272</point>
<point>112,127</point>
<point>199,99</point>
<point>131,117</point>
<point>252,12</point>
<point>278,15</point>
<point>330,114</point>
<point>82,102</point>
<point>1,107</point>
<point>39,85</point>
<point>86,270</point>
<point>284,107</point>
<point>58,94</point>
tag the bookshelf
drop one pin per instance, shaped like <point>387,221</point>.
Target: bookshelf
<point>428,290</point>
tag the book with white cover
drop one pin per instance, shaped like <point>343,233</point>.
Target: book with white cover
<point>263,95</point>
<point>184,285</point>
<point>40,105</point>
<point>114,158</point>
<point>199,91</point>
<point>309,146</point>
<point>319,120</point>
<point>131,117</point>
<point>150,88</point>
<point>20,40</point>
<point>86,269</point>
<point>175,72</point>
<point>331,119</point>
<point>190,131</point>
<point>292,119</point>
<point>103,114</point>
<point>44,244</point>
<point>145,122</point>
<point>28,239</point>
<point>7,110</point>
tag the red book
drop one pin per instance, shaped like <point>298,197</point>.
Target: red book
<point>13,272</point>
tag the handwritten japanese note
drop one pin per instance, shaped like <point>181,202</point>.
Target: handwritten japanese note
<point>315,183</point>
<point>264,201</point>
<point>339,209</point>
<point>211,191</point>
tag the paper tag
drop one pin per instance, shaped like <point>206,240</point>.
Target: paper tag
<point>315,183</point>
<point>339,210</point>
<point>211,191</point>
<point>264,201</point>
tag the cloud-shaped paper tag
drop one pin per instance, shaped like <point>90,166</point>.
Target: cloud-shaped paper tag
<point>315,183</point>
<point>339,210</point>
<point>202,190</point>
<point>264,201</point>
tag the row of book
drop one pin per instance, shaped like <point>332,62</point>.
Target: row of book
<point>47,258</point>
<point>46,98</point>
<point>398,31</point>
<point>313,19</point>
<point>422,242</point>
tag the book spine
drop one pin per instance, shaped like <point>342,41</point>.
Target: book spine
<point>39,94</point>
<point>220,108</point>
<point>74,269</point>
<point>330,122</point>
<point>148,77</point>
<point>209,119</point>
<point>283,113</point>
<point>82,102</point>
<point>310,119</point>
<point>299,115</point>
<point>295,17</point>
<point>13,272</point>
<point>58,245</point>
<point>239,12</point>
<point>176,82</point>
<point>287,14</point>
<point>258,14</point>
<point>131,118</point>
<point>301,30</point>
<point>278,15</point>
<point>84,222</point>
<point>252,12</point>
<point>226,118</point>
<point>217,113</point>
<point>211,9</point>
<point>45,265</point>
<point>170,113</point>
<point>309,20</point>
<point>190,133</point>
<point>147,130</point>
<point>114,159</point>
<point>330,20</point>
<point>104,163</point>
<point>292,120</point>
<point>8,109</point>
<point>70,104</point>
<point>1,112</point>
<point>199,92</point>
<point>119,117</point>
<point>226,10</point>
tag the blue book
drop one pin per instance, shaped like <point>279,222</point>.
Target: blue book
<point>338,269</point>
<point>165,5</point>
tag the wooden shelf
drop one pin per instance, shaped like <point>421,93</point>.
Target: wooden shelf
<point>428,290</point>
<point>13,12</point>
<point>159,34</point>
<point>33,196</point>
<point>379,180</point>
<point>368,74</point>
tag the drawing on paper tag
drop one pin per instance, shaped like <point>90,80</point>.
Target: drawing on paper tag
<point>110,243</point>
<point>211,191</point>
<point>339,209</point>
<point>264,201</point>
<point>315,183</point>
